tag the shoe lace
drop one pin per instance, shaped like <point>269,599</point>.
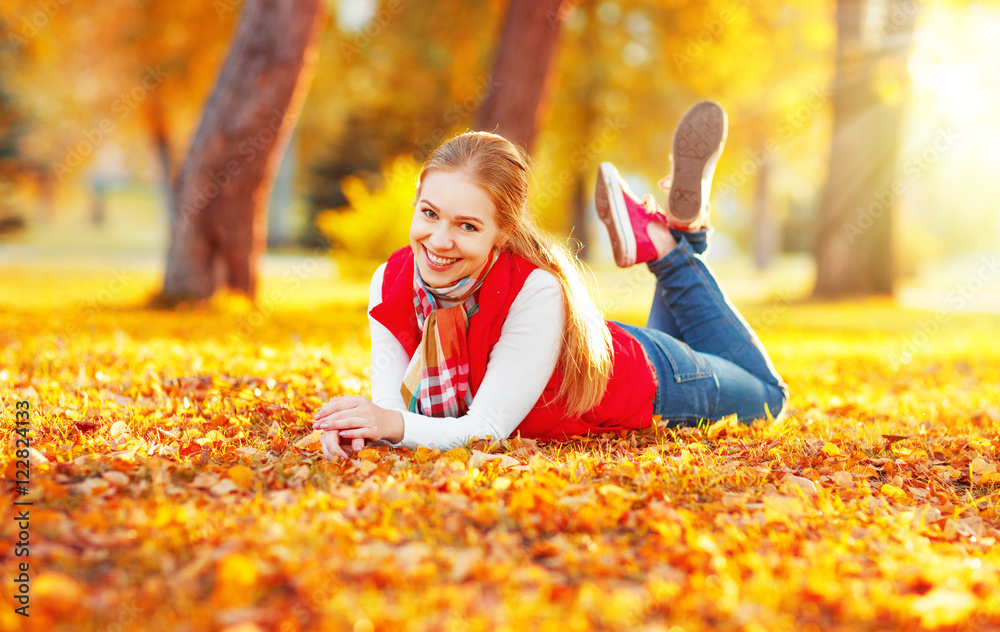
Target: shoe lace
<point>649,203</point>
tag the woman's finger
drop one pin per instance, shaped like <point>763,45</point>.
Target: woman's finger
<point>358,433</point>
<point>340,413</point>
<point>334,405</point>
<point>330,441</point>
<point>341,423</point>
<point>358,445</point>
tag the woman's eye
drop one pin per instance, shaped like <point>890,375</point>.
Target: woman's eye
<point>466,226</point>
<point>429,213</point>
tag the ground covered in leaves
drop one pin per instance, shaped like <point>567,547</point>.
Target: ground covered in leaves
<point>176,484</point>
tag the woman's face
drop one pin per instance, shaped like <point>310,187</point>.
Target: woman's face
<point>454,228</point>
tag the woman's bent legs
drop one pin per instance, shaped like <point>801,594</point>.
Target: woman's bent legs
<point>708,361</point>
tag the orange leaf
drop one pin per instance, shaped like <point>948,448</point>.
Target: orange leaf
<point>422,455</point>
<point>370,454</point>
<point>241,475</point>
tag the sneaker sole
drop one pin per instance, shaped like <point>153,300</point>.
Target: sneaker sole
<point>610,203</point>
<point>698,142</point>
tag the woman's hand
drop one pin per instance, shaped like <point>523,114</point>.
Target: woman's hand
<point>356,418</point>
<point>332,450</point>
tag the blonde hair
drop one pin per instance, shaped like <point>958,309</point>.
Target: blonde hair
<point>501,169</point>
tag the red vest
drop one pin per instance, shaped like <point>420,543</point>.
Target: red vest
<point>628,402</point>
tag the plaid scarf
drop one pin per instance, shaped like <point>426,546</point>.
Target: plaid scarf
<point>436,383</point>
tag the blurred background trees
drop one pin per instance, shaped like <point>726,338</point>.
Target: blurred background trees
<point>105,101</point>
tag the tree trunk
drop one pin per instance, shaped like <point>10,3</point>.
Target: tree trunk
<point>854,245</point>
<point>579,226</point>
<point>765,227</point>
<point>220,222</point>
<point>521,77</point>
<point>157,125</point>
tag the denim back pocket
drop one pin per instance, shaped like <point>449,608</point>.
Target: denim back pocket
<point>685,363</point>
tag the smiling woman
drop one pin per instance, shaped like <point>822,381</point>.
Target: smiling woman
<point>483,325</point>
<point>454,229</point>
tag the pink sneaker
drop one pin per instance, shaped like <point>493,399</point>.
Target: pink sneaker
<point>626,218</point>
<point>698,142</point>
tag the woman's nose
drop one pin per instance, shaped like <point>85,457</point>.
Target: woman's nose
<point>441,238</point>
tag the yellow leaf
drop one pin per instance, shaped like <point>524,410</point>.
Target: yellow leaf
<point>980,469</point>
<point>119,430</point>
<point>310,441</point>
<point>458,454</point>
<point>478,459</point>
<point>723,427</point>
<point>832,449</point>
<point>892,492</point>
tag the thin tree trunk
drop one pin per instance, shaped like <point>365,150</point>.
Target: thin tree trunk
<point>157,124</point>
<point>765,226</point>
<point>854,245</point>
<point>580,232</point>
<point>522,72</point>
<point>220,226</point>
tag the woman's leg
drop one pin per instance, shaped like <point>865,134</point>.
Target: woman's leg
<point>705,335</point>
<point>661,316</point>
<point>708,361</point>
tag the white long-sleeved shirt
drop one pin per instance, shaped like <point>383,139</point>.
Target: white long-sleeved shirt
<point>520,365</point>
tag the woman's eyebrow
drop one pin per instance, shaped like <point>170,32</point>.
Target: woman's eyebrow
<point>464,218</point>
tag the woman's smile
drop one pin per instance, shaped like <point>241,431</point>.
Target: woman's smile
<point>439,262</point>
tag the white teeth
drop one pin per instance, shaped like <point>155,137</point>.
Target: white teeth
<point>438,260</point>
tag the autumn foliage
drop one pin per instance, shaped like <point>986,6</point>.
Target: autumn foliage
<point>177,486</point>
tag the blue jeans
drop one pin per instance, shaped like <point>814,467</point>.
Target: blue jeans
<point>709,363</point>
